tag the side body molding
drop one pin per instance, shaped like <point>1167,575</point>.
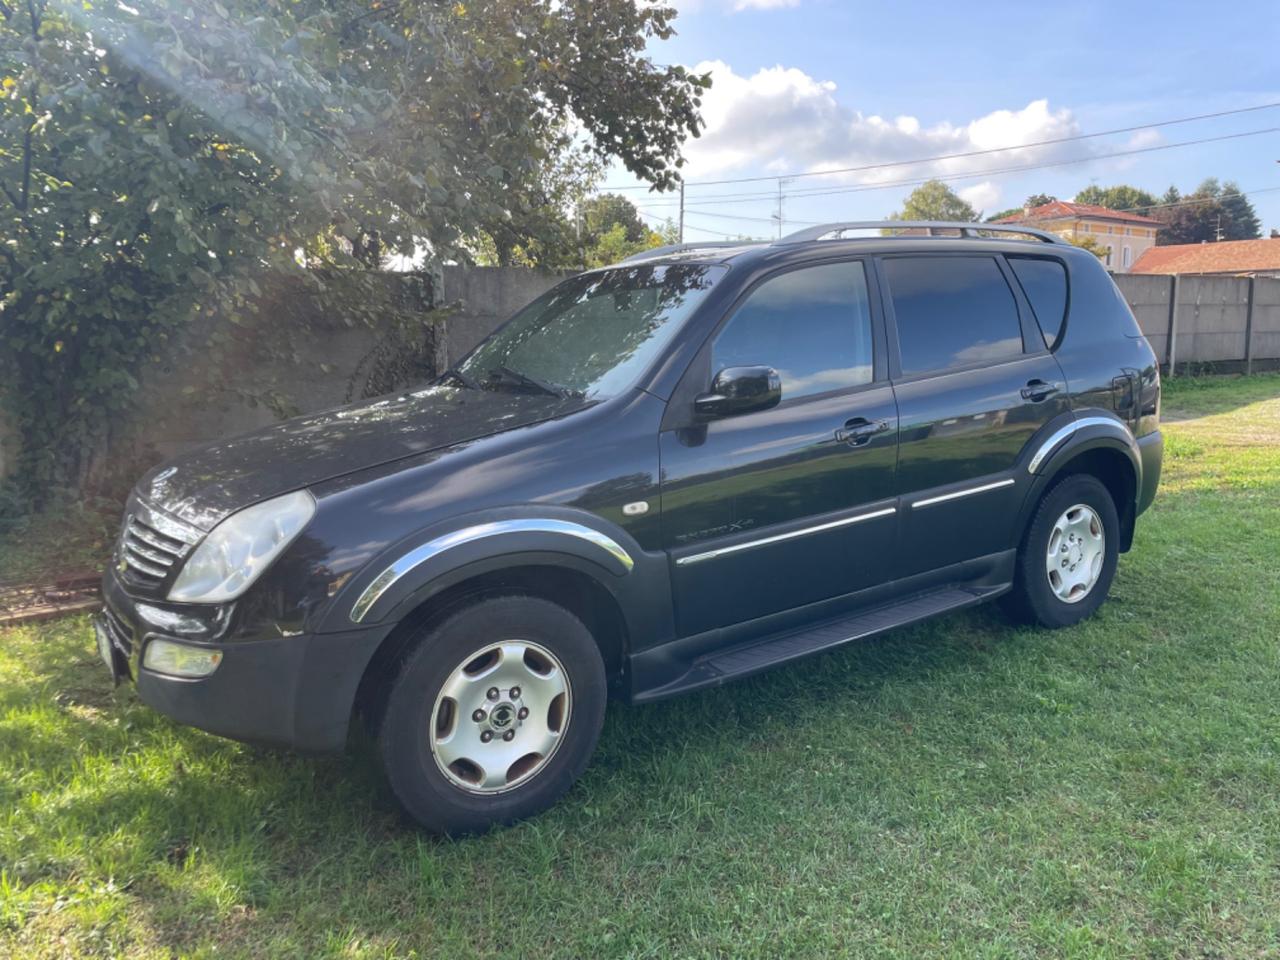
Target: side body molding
<point>608,552</point>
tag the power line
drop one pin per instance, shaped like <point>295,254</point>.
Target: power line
<point>889,184</point>
<point>970,153</point>
<point>1191,201</point>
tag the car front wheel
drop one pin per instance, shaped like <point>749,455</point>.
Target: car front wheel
<point>493,715</point>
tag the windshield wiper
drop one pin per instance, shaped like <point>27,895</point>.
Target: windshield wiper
<point>505,375</point>
<point>465,379</point>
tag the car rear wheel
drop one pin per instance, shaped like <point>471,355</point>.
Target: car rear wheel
<point>493,715</point>
<point>1068,555</point>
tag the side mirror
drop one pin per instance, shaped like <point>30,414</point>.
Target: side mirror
<point>739,390</point>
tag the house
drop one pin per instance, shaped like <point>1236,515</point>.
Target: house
<point>1227,258</point>
<point>1125,236</point>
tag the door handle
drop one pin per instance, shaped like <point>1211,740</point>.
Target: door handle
<point>1038,390</point>
<point>860,430</point>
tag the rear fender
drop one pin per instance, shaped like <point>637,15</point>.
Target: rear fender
<point>1063,441</point>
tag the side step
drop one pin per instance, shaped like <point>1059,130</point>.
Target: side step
<point>754,656</point>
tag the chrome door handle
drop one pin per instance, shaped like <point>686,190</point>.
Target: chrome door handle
<point>860,430</point>
<point>1038,390</point>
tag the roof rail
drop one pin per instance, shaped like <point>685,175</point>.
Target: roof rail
<point>968,230</point>
<point>681,247</point>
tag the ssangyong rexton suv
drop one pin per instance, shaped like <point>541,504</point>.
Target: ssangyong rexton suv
<point>657,477</point>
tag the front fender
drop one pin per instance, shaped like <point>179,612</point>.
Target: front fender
<point>417,566</point>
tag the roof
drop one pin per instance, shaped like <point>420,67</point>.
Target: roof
<point>1226,256</point>
<point>1063,209</point>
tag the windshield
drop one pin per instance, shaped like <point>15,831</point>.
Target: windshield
<point>593,334</point>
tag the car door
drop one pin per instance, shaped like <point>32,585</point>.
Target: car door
<point>974,382</point>
<point>768,510</point>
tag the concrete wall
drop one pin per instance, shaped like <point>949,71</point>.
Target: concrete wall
<point>1213,322</point>
<point>1266,318</point>
<point>488,295</point>
<point>1149,300</point>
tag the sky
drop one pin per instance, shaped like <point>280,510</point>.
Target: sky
<point>803,86</point>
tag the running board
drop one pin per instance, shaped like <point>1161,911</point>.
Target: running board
<point>754,656</point>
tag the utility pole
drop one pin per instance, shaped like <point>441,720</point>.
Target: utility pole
<point>1217,231</point>
<point>681,211</point>
<point>778,215</point>
<point>577,223</point>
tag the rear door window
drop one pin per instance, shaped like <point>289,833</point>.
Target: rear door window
<point>1045,284</point>
<point>952,312</point>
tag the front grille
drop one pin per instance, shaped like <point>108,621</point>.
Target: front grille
<point>148,552</point>
<point>119,632</point>
<point>151,545</point>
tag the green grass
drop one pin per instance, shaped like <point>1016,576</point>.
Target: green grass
<point>964,788</point>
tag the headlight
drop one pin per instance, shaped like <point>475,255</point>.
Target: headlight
<point>240,548</point>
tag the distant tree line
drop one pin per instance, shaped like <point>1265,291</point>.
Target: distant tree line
<point>1213,211</point>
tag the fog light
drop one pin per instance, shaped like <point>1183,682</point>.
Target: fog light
<point>180,660</point>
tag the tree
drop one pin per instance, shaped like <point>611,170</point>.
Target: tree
<point>1038,200</point>
<point>1087,242</point>
<point>1120,197</point>
<point>1244,219</point>
<point>601,213</point>
<point>1195,220</point>
<point>1214,211</point>
<point>934,200</point>
<point>157,157</point>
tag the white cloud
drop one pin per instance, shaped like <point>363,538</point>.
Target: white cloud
<point>984,197</point>
<point>782,119</point>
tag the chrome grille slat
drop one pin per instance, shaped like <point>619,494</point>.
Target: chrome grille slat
<point>157,557</point>
<point>140,562</point>
<point>157,540</point>
<point>152,544</point>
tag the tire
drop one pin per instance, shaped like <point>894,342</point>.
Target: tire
<point>1037,597</point>
<point>456,774</point>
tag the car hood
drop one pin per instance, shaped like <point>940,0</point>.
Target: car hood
<point>206,485</point>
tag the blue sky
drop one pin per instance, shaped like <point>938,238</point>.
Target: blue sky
<point>805,85</point>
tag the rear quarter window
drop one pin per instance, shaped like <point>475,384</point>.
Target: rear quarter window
<point>1045,284</point>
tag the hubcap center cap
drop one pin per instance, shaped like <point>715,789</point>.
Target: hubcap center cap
<point>502,716</point>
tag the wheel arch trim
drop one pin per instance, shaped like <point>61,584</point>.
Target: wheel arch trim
<point>602,547</point>
<point>1108,425</point>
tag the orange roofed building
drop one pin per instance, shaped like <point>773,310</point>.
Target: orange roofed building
<point>1226,258</point>
<point>1125,236</point>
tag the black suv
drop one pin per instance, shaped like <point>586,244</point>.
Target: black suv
<point>691,466</point>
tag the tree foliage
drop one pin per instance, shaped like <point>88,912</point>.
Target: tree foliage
<point>1039,200</point>
<point>158,158</point>
<point>934,200</point>
<point>1214,211</point>
<point>1120,197</point>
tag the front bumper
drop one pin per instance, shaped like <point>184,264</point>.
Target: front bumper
<point>293,691</point>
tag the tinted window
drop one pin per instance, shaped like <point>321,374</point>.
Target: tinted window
<point>812,325</point>
<point>1045,284</point>
<point>952,311</point>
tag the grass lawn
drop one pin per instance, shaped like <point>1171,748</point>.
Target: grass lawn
<point>963,788</point>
